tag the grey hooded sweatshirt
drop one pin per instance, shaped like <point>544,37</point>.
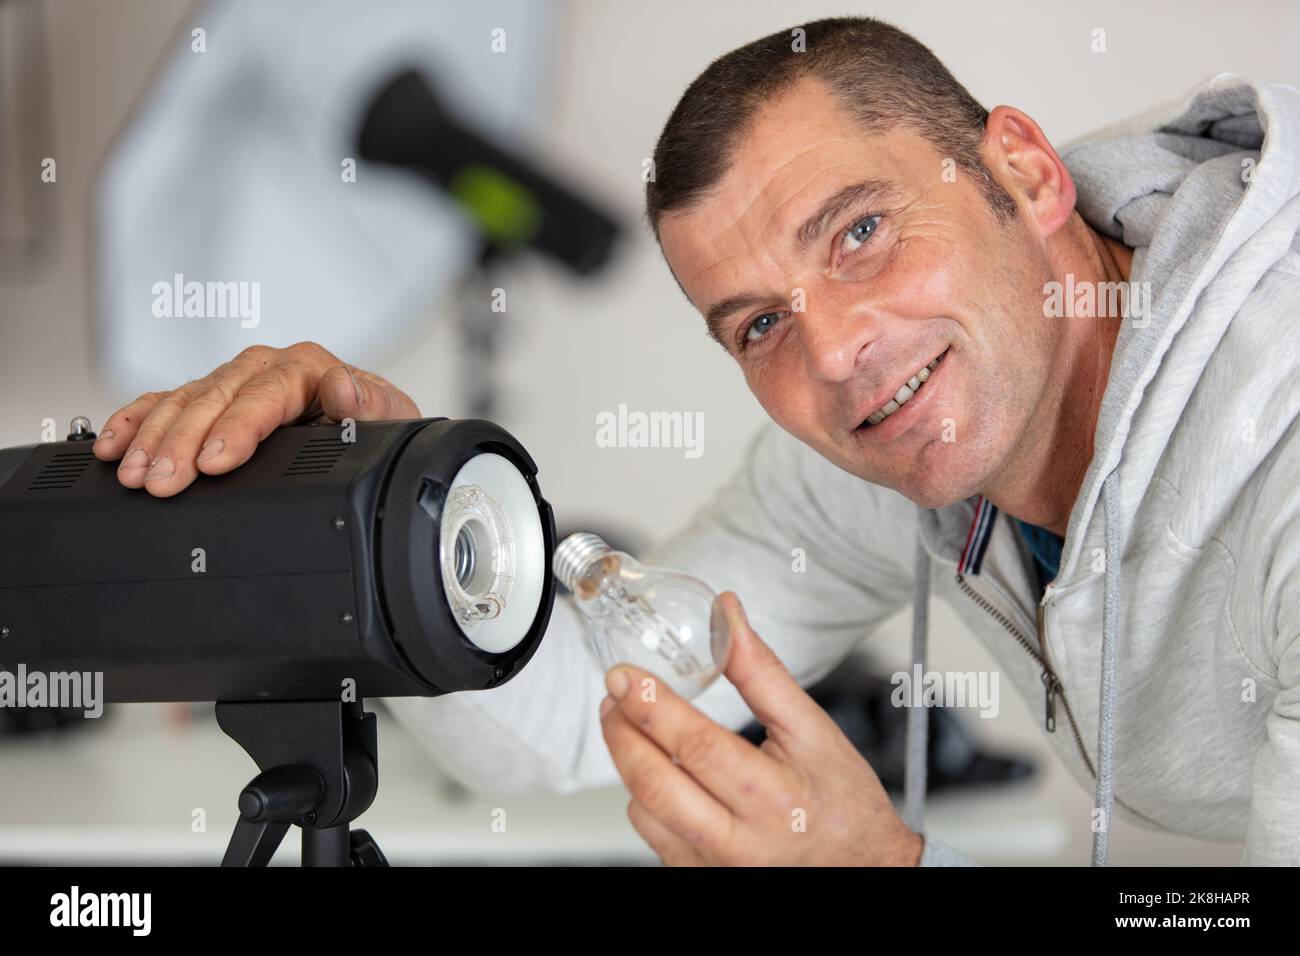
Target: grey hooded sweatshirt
<point>1167,648</point>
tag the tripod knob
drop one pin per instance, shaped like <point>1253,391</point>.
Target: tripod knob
<point>364,851</point>
<point>284,793</point>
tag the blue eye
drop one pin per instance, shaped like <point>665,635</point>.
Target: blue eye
<point>760,327</point>
<point>858,233</point>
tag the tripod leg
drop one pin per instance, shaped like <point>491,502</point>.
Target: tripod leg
<point>253,844</point>
<point>328,846</point>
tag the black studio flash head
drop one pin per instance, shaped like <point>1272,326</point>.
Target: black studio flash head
<point>410,557</point>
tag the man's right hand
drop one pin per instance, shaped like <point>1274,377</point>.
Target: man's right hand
<point>214,424</point>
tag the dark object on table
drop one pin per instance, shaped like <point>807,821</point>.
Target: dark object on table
<point>859,703</point>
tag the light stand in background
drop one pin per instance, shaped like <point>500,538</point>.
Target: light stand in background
<point>514,205</point>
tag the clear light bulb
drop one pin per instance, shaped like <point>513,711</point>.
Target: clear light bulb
<point>653,618</point>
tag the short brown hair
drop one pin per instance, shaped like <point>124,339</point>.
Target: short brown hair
<point>883,76</point>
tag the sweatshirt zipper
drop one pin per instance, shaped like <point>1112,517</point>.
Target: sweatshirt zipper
<point>1051,683</point>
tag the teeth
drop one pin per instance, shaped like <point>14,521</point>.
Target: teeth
<point>903,395</point>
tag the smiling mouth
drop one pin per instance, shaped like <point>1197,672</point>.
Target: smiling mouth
<point>904,394</point>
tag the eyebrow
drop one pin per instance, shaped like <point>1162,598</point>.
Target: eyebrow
<point>719,311</point>
<point>864,193</point>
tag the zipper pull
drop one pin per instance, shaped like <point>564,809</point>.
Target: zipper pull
<point>1052,685</point>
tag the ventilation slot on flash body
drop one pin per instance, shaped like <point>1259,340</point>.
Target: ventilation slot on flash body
<point>316,457</point>
<point>62,470</point>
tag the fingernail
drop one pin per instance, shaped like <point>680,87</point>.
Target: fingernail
<point>606,706</point>
<point>719,625</point>
<point>162,468</point>
<point>356,386</point>
<point>616,681</point>
<point>136,459</point>
<point>104,435</point>
<point>211,448</point>
<point>719,635</point>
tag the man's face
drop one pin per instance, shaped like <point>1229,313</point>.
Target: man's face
<point>835,265</point>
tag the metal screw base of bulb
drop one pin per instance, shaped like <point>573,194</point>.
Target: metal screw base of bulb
<point>575,554</point>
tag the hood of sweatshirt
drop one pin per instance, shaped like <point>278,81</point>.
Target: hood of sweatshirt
<point>1210,198</point>
<point>1207,194</point>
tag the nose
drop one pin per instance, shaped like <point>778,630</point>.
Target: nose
<point>835,332</point>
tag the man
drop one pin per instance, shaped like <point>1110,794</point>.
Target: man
<point>1073,380</point>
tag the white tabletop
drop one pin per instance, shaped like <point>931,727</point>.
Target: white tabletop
<point>126,792</point>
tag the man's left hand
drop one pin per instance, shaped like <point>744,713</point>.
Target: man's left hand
<point>702,795</point>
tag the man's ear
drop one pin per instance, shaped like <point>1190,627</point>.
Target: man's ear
<point>1027,165</point>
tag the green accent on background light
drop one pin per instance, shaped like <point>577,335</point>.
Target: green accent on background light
<point>504,210</point>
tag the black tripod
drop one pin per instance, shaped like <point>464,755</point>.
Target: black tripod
<point>320,771</point>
